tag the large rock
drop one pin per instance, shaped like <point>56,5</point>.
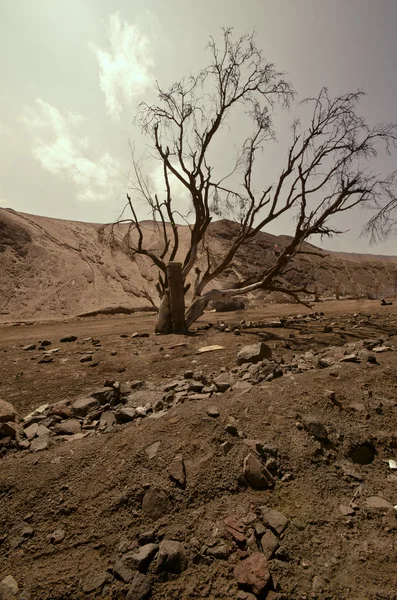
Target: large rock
<point>171,557</point>
<point>156,503</point>
<point>140,588</point>
<point>253,573</point>
<point>256,473</point>
<point>7,412</point>
<point>254,353</point>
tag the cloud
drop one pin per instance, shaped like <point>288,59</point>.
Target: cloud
<point>60,150</point>
<point>124,72</point>
<point>181,200</point>
<point>3,201</point>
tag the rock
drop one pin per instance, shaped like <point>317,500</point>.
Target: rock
<point>41,443</point>
<point>177,471</point>
<point>107,420</point>
<point>253,573</point>
<point>235,528</point>
<point>61,409</point>
<point>9,588</point>
<point>222,386</point>
<point>254,353</point>
<point>171,557</point>
<point>318,584</point>
<point>83,406</point>
<point>226,447</point>
<point>19,534</point>
<point>46,359</point>
<point>68,338</point>
<point>45,343</point>
<point>156,504</point>
<point>122,572</point>
<point>209,349</point>
<point>274,519</point>
<point>125,414</point>
<point>42,431</point>
<point>269,544</point>
<point>30,347</point>
<point>57,536</point>
<point>140,561</point>
<point>107,395</point>
<point>188,374</point>
<point>7,412</point>
<point>69,427</point>
<point>152,450</point>
<point>378,503</point>
<point>256,474</point>
<point>246,596</point>
<point>315,428</point>
<point>31,431</point>
<point>9,430</point>
<point>86,358</point>
<point>212,411</point>
<point>140,588</point>
<point>221,552</point>
<point>350,358</point>
<point>94,581</point>
<point>345,510</point>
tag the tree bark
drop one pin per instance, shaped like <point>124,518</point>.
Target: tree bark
<point>164,324</point>
<point>177,297</point>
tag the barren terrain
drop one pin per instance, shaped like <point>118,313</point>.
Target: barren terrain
<point>161,486</point>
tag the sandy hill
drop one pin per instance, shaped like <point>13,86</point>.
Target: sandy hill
<point>51,267</point>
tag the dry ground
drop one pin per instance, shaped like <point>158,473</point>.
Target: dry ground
<point>93,488</point>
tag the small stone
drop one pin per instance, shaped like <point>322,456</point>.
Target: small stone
<point>94,581</point>
<point>212,411</point>
<point>121,571</point>
<point>235,528</point>
<point>171,557</point>
<point>346,510</point>
<point>318,584</point>
<point>253,572</point>
<point>256,474</point>
<point>126,414</point>
<point>152,450</point>
<point>41,443</point>
<point>42,431</point>
<point>246,596</point>
<point>9,588</point>
<point>269,544</point>
<point>68,338</point>
<point>156,504</point>
<point>254,353</point>
<point>69,427</point>
<point>378,503</point>
<point>7,412</point>
<point>86,358</point>
<point>83,406</point>
<point>46,359</point>
<point>57,536</point>
<point>140,588</point>
<point>188,374</point>
<point>61,409</point>
<point>274,519</point>
<point>177,471</point>
<point>222,386</point>
<point>221,552</point>
<point>8,430</point>
<point>141,559</point>
<point>226,447</point>
<point>315,428</point>
<point>107,420</point>
<point>30,347</point>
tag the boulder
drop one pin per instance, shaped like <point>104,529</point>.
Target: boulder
<point>254,353</point>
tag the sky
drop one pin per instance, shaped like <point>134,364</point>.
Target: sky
<point>73,73</point>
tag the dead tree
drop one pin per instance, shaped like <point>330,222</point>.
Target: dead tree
<point>325,173</point>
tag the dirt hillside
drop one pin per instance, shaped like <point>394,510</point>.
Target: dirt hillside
<point>51,268</point>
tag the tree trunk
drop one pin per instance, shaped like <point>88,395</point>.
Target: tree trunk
<point>164,324</point>
<point>195,309</point>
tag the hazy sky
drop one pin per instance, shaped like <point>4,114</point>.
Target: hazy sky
<point>73,71</point>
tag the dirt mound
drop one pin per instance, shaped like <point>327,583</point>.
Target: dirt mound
<point>169,502</point>
<point>51,268</point>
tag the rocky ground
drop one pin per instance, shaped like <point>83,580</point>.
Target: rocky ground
<point>254,458</point>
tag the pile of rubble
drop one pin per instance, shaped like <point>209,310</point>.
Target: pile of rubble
<point>120,403</point>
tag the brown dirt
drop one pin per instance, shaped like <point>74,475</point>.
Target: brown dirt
<point>93,488</point>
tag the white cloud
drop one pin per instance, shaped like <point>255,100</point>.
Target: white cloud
<point>60,150</point>
<point>3,201</point>
<point>181,200</point>
<point>124,72</point>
